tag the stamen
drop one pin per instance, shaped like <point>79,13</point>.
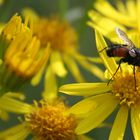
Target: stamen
<point>49,122</point>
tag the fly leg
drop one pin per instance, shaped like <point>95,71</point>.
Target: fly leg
<point>119,65</point>
<point>134,77</point>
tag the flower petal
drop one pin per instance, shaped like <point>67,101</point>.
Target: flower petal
<point>104,25</point>
<point>135,121</point>
<point>118,130</point>
<point>111,12</point>
<point>50,87</point>
<point>131,8</point>
<point>109,62</point>
<point>85,89</point>
<point>73,67</point>
<point>84,137</point>
<point>37,78</point>
<point>13,105</point>
<point>4,115</point>
<point>15,133</point>
<point>57,64</point>
<point>82,107</point>
<point>107,104</point>
<point>90,67</point>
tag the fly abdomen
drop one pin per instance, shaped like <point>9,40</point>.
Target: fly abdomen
<point>117,52</point>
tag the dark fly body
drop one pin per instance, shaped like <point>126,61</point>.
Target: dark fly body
<point>127,51</point>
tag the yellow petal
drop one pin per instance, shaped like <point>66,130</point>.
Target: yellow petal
<point>107,105</point>
<point>135,121</point>
<point>118,129</point>
<point>84,137</point>
<point>83,107</point>
<point>137,13</point>
<point>111,12</point>
<point>30,13</point>
<point>57,64</point>
<point>108,62</point>
<point>36,79</point>
<point>15,95</point>
<point>73,67</point>
<point>90,67</point>
<point>18,132</point>
<point>13,105</point>
<point>107,75</point>
<point>85,89</point>
<point>1,2</point>
<point>4,115</point>
<point>104,25</point>
<point>94,59</point>
<point>121,6</point>
<point>131,9</point>
<point>50,91</point>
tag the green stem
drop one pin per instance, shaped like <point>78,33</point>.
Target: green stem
<point>63,7</point>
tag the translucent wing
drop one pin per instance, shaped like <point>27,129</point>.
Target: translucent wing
<point>125,38</point>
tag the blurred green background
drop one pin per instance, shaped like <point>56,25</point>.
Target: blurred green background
<point>76,12</point>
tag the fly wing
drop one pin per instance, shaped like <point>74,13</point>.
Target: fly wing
<point>125,38</point>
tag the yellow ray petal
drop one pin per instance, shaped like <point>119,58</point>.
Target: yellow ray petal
<point>85,89</point>
<point>117,132</point>
<point>137,13</point>
<point>37,78</point>
<point>13,105</point>
<point>131,8</point>
<point>15,133</point>
<point>83,107</point>
<point>50,91</point>
<point>15,95</point>
<point>135,121</point>
<point>73,67</point>
<point>84,137</point>
<point>57,64</point>
<point>109,62</point>
<point>90,67</point>
<point>94,59</point>
<point>111,12</point>
<point>30,13</point>
<point>104,25</point>
<point>121,7</point>
<point>4,115</point>
<point>98,115</point>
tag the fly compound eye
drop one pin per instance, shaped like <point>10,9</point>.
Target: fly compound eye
<point>132,53</point>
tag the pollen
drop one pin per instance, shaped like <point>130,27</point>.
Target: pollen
<point>58,33</point>
<point>126,87</point>
<point>48,122</point>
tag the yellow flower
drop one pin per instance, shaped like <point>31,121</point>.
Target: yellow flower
<point>1,2</point>
<point>7,102</point>
<point>21,55</point>
<point>106,17</point>
<point>120,93</point>
<point>45,120</point>
<point>64,47</point>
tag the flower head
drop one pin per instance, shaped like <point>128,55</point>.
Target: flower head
<point>124,15</point>
<point>47,119</point>
<point>120,92</point>
<point>60,34</point>
<point>50,122</point>
<point>21,55</point>
<point>63,41</point>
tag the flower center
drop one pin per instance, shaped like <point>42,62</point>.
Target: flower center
<point>59,34</point>
<point>126,87</point>
<point>48,122</point>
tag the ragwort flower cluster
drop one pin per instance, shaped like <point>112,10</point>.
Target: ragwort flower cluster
<point>26,47</point>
